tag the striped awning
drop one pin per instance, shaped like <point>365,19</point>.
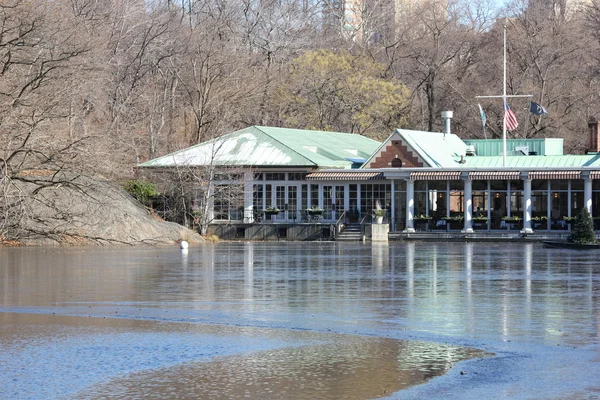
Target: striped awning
<point>345,176</point>
<point>555,175</point>
<point>435,175</point>
<point>494,175</point>
<point>594,174</point>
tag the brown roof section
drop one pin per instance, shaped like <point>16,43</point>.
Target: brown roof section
<point>494,175</point>
<point>555,175</point>
<point>435,175</point>
<point>345,176</point>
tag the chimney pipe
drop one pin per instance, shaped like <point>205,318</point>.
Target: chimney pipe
<point>447,118</point>
<point>593,136</point>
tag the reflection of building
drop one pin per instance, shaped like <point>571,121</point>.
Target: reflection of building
<point>425,180</point>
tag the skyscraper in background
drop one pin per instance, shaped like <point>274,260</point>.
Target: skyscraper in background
<point>555,8</point>
<point>372,20</point>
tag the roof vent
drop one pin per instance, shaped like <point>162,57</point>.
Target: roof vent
<point>470,150</point>
<point>447,117</point>
<point>522,149</point>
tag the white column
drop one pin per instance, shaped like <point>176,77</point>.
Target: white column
<point>468,205</point>
<point>346,197</point>
<point>248,197</point>
<point>587,194</point>
<point>211,202</point>
<point>393,206</point>
<point>527,208</point>
<point>358,200</point>
<point>410,206</point>
<point>320,194</point>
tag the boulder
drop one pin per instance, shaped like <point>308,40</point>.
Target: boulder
<point>69,209</point>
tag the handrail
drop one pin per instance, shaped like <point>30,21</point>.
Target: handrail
<point>362,221</point>
<point>341,216</point>
<point>337,224</point>
<point>362,224</point>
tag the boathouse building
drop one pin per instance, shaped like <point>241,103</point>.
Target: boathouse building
<point>424,181</point>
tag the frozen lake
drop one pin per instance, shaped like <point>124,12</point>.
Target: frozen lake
<point>300,320</point>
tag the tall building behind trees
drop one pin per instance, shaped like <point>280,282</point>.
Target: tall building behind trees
<point>376,20</point>
<point>556,9</point>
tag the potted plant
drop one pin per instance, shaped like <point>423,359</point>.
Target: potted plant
<point>480,221</point>
<point>421,219</point>
<point>378,215</point>
<point>512,220</point>
<point>270,211</point>
<point>315,211</point>
<point>539,221</point>
<point>453,219</point>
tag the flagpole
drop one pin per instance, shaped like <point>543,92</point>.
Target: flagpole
<point>504,106</point>
<point>504,96</point>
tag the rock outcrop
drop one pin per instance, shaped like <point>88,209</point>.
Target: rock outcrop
<point>80,210</point>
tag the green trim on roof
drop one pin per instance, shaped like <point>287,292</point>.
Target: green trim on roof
<point>577,161</point>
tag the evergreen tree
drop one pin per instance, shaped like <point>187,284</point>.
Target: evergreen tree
<point>583,228</point>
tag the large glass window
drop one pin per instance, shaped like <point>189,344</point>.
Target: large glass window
<point>438,198</point>
<point>292,203</point>
<point>371,194</point>
<point>539,209</point>
<point>327,201</point>
<point>280,201</point>
<point>314,196</point>
<point>268,198</point>
<point>577,202</point>
<point>304,205</point>
<point>559,209</point>
<point>498,208</point>
<point>258,200</point>
<point>339,199</point>
<point>229,202</point>
<point>456,202</point>
<point>480,204</point>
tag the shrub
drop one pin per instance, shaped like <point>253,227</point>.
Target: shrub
<point>141,190</point>
<point>583,228</point>
<point>379,213</point>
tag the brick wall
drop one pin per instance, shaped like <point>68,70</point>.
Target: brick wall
<point>395,148</point>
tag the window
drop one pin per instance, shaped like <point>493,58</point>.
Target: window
<point>229,202</point>
<point>296,176</point>
<point>275,176</point>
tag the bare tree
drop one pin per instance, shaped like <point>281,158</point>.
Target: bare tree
<point>38,59</point>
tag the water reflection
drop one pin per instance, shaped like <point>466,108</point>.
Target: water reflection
<point>350,368</point>
<point>517,292</point>
<point>484,289</point>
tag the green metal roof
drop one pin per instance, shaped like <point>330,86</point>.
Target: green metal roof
<point>260,146</point>
<point>495,147</point>
<point>437,149</point>
<point>566,161</point>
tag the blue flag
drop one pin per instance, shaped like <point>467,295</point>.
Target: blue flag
<point>483,118</point>
<point>537,109</point>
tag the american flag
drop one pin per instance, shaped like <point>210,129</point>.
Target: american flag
<point>510,118</point>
